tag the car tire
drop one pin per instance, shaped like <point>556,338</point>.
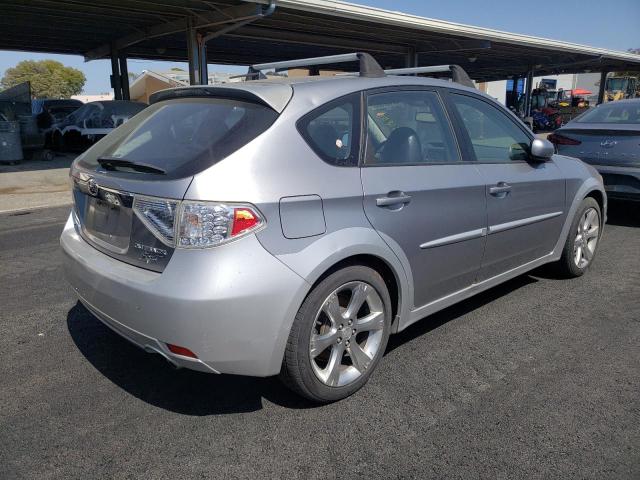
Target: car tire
<point>347,334</point>
<point>582,241</point>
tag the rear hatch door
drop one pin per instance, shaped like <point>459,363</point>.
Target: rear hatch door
<point>127,188</point>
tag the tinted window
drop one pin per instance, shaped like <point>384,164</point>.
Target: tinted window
<point>332,131</point>
<point>408,127</point>
<point>184,136</point>
<point>494,136</point>
<point>613,113</point>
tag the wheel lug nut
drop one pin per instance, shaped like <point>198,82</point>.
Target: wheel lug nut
<point>340,327</point>
<point>339,339</point>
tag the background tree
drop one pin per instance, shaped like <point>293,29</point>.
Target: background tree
<point>49,79</point>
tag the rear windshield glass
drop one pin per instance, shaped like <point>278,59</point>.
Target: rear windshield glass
<point>613,113</point>
<point>183,136</point>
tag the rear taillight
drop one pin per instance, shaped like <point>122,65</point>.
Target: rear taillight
<point>244,219</point>
<point>158,215</point>
<point>190,224</point>
<point>558,139</point>
<point>207,224</point>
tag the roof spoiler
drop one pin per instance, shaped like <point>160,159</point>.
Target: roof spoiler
<point>275,96</point>
<point>368,66</point>
<point>458,74</point>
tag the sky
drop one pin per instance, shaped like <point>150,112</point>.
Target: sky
<point>596,23</point>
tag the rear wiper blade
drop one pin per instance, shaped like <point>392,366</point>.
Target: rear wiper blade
<point>112,163</point>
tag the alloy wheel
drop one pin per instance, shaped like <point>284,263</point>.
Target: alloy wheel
<point>584,245</point>
<point>347,333</point>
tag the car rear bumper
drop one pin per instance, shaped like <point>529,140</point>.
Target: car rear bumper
<point>620,182</point>
<point>232,306</point>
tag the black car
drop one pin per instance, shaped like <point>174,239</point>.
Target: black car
<point>91,122</point>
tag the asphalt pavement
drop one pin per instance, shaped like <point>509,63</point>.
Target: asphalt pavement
<point>35,183</point>
<point>537,378</point>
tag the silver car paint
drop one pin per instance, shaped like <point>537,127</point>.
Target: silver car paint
<point>446,200</point>
<point>524,224</point>
<point>581,181</point>
<point>234,305</point>
<point>225,304</point>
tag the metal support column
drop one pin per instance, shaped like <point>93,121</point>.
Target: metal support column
<point>197,43</point>
<point>124,78</point>
<point>193,51</point>
<point>202,58</point>
<point>116,82</point>
<point>412,58</point>
<point>602,87</point>
<point>527,95</point>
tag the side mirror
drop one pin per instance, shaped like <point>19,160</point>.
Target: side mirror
<point>541,150</point>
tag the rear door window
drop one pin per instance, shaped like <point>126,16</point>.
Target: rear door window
<point>184,136</point>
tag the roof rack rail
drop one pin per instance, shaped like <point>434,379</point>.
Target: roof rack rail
<point>368,66</point>
<point>458,74</point>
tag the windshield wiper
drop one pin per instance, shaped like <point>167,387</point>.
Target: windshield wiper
<point>112,163</point>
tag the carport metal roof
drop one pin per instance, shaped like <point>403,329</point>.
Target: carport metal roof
<point>155,29</point>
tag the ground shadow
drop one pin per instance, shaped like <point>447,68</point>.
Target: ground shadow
<point>151,379</point>
<point>623,213</point>
<point>438,319</point>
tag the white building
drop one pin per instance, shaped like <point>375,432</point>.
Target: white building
<point>100,97</point>
<point>182,76</point>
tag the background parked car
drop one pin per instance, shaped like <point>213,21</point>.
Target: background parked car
<point>608,137</point>
<point>91,122</point>
<point>49,111</point>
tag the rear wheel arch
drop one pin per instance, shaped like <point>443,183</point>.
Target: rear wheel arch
<point>387,272</point>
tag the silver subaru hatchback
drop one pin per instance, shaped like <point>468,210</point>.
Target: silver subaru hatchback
<point>289,226</point>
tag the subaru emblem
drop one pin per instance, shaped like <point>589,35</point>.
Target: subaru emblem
<point>92,187</point>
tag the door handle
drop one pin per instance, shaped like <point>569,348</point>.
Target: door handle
<point>393,199</point>
<point>500,190</point>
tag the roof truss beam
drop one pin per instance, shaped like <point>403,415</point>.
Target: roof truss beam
<point>202,20</point>
<point>314,39</point>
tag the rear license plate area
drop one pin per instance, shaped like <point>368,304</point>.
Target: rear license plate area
<point>106,219</point>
